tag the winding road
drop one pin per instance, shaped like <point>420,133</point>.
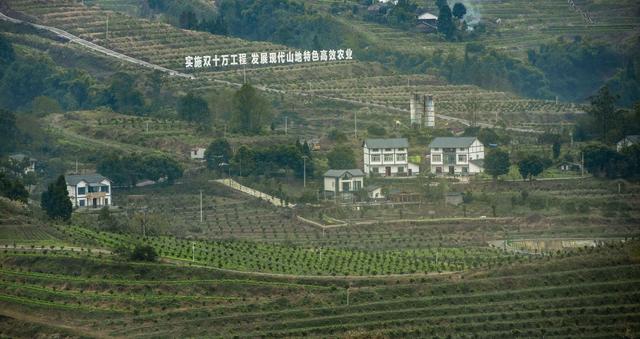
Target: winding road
<point>97,48</point>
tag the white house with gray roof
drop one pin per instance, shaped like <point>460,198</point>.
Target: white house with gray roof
<point>388,157</point>
<point>89,190</point>
<point>343,181</point>
<point>456,156</point>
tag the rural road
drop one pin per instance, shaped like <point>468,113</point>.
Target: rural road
<point>248,190</point>
<point>120,56</point>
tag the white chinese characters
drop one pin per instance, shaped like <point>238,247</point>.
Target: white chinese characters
<point>267,58</point>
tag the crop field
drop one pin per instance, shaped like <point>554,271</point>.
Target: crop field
<point>287,259</point>
<point>592,291</point>
<point>362,83</point>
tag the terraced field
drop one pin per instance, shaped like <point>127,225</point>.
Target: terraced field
<point>167,46</point>
<point>591,292</point>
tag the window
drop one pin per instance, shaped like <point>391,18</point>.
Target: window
<point>357,185</point>
<point>400,150</point>
<point>93,189</point>
<point>462,149</point>
<point>462,158</point>
<point>388,157</point>
<point>375,170</point>
<point>104,189</point>
<point>82,190</point>
<point>436,158</point>
<point>388,150</point>
<point>375,158</point>
<point>375,150</point>
<point>401,157</point>
<point>106,201</point>
<point>438,169</point>
<point>465,170</point>
<point>400,169</point>
<point>81,202</point>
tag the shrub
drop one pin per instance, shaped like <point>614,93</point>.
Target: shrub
<point>143,253</point>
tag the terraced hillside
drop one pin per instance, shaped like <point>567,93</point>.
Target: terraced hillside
<point>167,46</point>
<point>592,292</point>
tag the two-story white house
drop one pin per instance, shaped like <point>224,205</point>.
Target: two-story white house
<point>456,156</point>
<point>89,190</point>
<point>343,181</point>
<point>388,157</point>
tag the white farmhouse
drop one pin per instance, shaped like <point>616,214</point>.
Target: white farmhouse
<point>456,155</point>
<point>627,141</point>
<point>388,157</point>
<point>343,181</point>
<point>89,190</point>
<point>197,153</point>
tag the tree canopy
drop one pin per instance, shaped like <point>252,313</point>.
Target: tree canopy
<point>531,166</point>
<point>55,200</point>
<point>194,108</point>
<point>341,157</point>
<point>496,162</point>
<point>251,112</point>
<point>219,151</point>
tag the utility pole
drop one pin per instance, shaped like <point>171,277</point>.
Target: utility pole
<point>582,164</point>
<point>355,124</point>
<point>106,36</point>
<point>286,124</point>
<point>76,166</point>
<point>200,206</point>
<point>304,171</point>
<point>193,251</point>
<point>244,74</point>
<point>147,127</point>
<point>144,224</point>
<point>348,295</point>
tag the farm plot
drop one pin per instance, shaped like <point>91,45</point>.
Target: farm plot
<point>591,291</point>
<point>296,260</point>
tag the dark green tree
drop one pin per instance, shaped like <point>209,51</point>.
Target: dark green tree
<point>601,160</point>
<point>251,112</point>
<point>7,54</point>
<point>123,96</point>
<point>9,132</point>
<point>194,108</point>
<point>556,149</point>
<point>244,161</point>
<point>459,10</point>
<point>440,3</point>
<point>55,200</point>
<point>496,163</point>
<point>531,166</point>
<point>341,157</point>
<point>24,80</point>
<point>144,253</point>
<point>445,22</point>
<point>603,112</point>
<point>13,188</point>
<point>219,151</point>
